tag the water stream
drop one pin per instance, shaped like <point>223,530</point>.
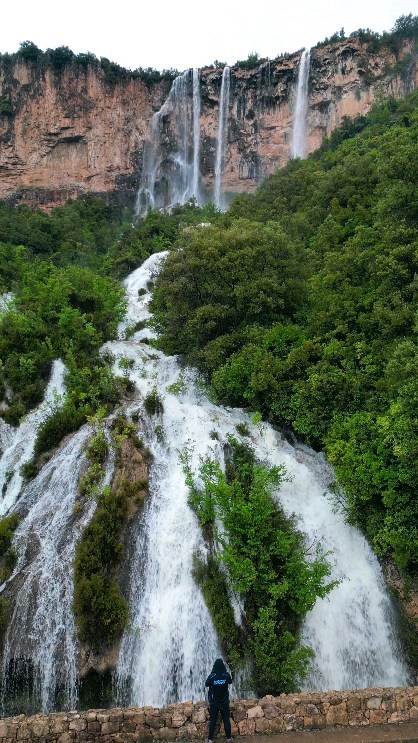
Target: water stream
<point>299,134</point>
<point>171,161</point>
<point>222,136</point>
<point>170,643</point>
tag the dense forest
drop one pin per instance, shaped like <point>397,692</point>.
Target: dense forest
<point>299,304</point>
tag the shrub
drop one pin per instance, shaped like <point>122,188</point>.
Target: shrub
<point>59,424</point>
<point>100,611</point>
<point>152,403</point>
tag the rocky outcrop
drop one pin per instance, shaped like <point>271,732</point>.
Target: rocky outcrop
<point>62,134</point>
<point>130,481</point>
<point>188,721</point>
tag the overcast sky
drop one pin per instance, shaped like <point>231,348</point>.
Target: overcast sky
<point>188,33</point>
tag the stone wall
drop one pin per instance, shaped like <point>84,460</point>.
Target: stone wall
<point>305,711</point>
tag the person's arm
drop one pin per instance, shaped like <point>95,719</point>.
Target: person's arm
<point>209,679</point>
<point>229,678</point>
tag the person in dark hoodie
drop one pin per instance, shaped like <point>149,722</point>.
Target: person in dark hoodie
<point>218,696</point>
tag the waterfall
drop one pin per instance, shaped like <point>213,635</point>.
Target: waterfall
<point>171,642</point>
<point>171,162</point>
<point>17,445</point>
<point>196,135</point>
<point>299,134</point>
<point>222,131</point>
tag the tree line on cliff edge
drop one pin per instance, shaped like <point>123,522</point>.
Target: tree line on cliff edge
<point>405,27</point>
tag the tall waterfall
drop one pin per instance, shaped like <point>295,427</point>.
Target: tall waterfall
<point>222,135</point>
<point>299,134</point>
<point>171,642</point>
<point>171,162</point>
<point>196,135</point>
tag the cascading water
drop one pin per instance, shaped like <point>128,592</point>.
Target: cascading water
<point>171,642</point>
<point>170,172</point>
<point>222,135</point>
<point>40,651</point>
<point>196,135</point>
<point>18,444</point>
<point>299,143</point>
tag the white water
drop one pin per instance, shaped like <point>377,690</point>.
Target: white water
<point>171,642</point>
<point>17,445</point>
<point>299,134</point>
<point>170,645</point>
<point>195,190</point>
<point>222,136</point>
<point>171,170</point>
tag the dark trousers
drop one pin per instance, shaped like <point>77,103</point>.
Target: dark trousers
<point>223,708</point>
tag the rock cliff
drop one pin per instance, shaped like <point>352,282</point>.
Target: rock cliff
<point>65,133</point>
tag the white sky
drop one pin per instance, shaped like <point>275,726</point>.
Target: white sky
<point>188,33</point>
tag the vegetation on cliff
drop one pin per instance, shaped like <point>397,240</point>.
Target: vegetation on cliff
<point>100,610</point>
<point>63,271</point>
<point>63,56</point>
<point>301,303</point>
<point>266,564</point>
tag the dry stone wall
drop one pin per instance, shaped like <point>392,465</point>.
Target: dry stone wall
<point>188,721</point>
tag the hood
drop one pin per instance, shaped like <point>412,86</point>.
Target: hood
<point>219,666</point>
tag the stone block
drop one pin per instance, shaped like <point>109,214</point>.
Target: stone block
<point>65,738</point>
<point>287,707</point>
<point>413,713</point>
<point>202,730</point>
<point>358,717</point>
<point>262,725</point>
<point>110,727</point>
<point>270,711</point>
<point>199,715</point>
<point>165,734</point>
<point>255,712</point>
<point>316,722</point>
<point>58,725</point>
<point>246,727</point>
<point>337,714</point>
<point>189,731</point>
<point>402,702</point>
<point>102,717</point>
<point>93,726</point>
<point>378,716</point>
<point>156,722</point>
<point>374,703</point>
<point>399,717</point>
<point>309,710</point>
<point>78,725</point>
<point>289,722</point>
<point>239,714</point>
<point>139,718</point>
<point>335,699</point>
<point>91,715</point>
<point>24,732</point>
<point>116,714</point>
<point>177,719</point>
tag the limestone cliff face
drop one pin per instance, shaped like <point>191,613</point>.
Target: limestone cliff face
<point>73,132</point>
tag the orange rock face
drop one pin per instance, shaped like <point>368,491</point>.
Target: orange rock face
<point>74,132</point>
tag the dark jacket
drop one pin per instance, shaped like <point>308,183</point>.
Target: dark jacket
<point>218,682</point>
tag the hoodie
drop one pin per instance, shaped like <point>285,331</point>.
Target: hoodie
<point>218,681</point>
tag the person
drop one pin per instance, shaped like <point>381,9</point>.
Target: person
<point>218,681</point>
